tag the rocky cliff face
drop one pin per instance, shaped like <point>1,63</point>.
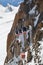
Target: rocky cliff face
<point>23,22</point>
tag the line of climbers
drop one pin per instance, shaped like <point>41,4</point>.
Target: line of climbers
<point>23,29</point>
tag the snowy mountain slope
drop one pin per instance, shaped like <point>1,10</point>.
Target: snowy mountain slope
<point>7,16</point>
<point>6,20</point>
<point>1,8</point>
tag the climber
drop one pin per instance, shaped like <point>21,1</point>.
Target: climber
<point>24,29</point>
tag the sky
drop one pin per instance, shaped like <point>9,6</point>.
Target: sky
<point>13,2</point>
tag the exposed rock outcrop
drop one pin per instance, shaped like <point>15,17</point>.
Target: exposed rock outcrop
<point>22,23</point>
